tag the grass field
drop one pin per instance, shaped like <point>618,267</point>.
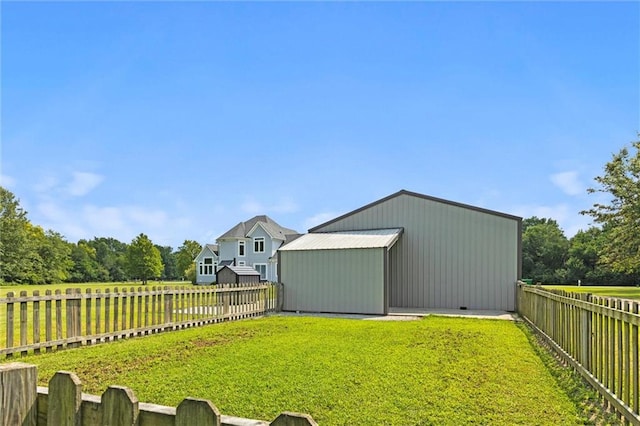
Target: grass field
<point>622,292</point>
<point>342,372</point>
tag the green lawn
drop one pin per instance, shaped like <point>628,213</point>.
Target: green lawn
<point>444,371</point>
<point>623,292</point>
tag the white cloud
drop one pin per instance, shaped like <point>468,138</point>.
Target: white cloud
<point>252,207</point>
<point>568,182</point>
<point>144,216</point>
<point>558,212</point>
<point>104,220</point>
<point>567,216</point>
<point>283,205</point>
<point>46,184</point>
<point>318,219</point>
<point>7,181</point>
<point>83,183</point>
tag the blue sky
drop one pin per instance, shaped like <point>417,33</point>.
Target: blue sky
<point>180,120</point>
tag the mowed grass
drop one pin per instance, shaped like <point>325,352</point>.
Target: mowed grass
<point>622,292</point>
<point>444,371</point>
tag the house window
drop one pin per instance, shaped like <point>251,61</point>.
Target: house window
<point>258,245</point>
<point>241,263</point>
<point>240,248</point>
<point>262,268</point>
<point>207,266</point>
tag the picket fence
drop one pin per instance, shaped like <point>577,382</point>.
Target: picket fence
<point>44,322</point>
<point>23,403</point>
<point>596,335</point>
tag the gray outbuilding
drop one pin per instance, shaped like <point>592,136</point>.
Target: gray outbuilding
<point>230,274</point>
<point>407,250</point>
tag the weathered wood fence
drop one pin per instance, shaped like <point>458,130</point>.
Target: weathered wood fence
<point>23,403</point>
<point>598,336</point>
<point>57,320</point>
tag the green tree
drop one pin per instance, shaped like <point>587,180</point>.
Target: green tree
<point>111,254</point>
<point>621,215</point>
<point>170,271</point>
<point>190,273</point>
<point>55,256</point>
<point>185,255</point>
<point>15,247</point>
<point>544,251</point>
<point>143,259</point>
<point>86,267</point>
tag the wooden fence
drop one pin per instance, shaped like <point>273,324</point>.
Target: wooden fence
<point>23,403</point>
<point>73,318</point>
<point>598,336</point>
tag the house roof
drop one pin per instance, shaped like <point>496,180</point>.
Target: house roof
<point>373,238</point>
<point>417,195</point>
<point>243,229</point>
<point>242,270</point>
<point>211,247</point>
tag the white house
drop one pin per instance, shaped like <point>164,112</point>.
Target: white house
<point>207,264</point>
<point>255,243</point>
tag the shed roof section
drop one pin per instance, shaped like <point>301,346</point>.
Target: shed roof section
<point>416,195</point>
<point>373,238</point>
<point>242,270</point>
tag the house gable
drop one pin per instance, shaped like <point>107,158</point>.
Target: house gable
<point>261,237</point>
<point>209,250</point>
<point>206,263</point>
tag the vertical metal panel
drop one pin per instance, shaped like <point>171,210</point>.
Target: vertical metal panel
<point>341,281</point>
<point>448,257</point>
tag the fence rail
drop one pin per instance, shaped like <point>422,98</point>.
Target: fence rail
<point>63,403</point>
<point>56,320</point>
<point>597,335</point>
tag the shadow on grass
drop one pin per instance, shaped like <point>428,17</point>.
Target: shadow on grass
<point>587,400</point>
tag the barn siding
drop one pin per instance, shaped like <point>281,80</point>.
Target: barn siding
<point>340,281</point>
<point>449,256</point>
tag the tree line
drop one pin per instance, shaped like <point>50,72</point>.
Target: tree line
<point>31,255</point>
<point>608,253</point>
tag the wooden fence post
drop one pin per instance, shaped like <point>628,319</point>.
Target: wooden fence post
<point>18,394</point>
<point>9,321</point>
<point>197,412</point>
<point>586,333</point>
<point>65,398</point>
<point>293,419</point>
<point>119,407</point>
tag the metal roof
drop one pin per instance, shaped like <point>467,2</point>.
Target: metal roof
<point>242,270</point>
<point>242,229</point>
<point>373,238</point>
